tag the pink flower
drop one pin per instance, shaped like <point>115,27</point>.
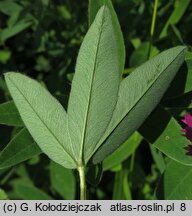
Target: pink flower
<point>188,132</point>
<point>189,150</point>
<point>188,120</point>
<point>188,129</point>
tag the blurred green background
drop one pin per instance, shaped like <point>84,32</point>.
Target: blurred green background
<point>41,38</point>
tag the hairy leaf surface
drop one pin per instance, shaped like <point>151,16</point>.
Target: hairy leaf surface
<point>95,86</point>
<point>43,116</point>
<point>139,93</point>
<point>93,9</point>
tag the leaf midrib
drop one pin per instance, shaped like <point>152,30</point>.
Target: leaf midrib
<point>109,132</point>
<point>49,130</point>
<point>90,95</point>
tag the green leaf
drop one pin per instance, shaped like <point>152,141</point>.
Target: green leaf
<point>63,181</point>
<point>43,116</point>
<point>117,188</point>
<point>3,85</point>
<point>5,55</point>
<point>172,143</point>
<point>27,191</point>
<point>182,82</point>
<point>94,88</point>
<point>22,172</point>
<point>19,149</point>
<point>9,114</point>
<point>13,30</point>
<point>64,12</point>
<point>175,183</point>
<point>9,7</point>
<point>93,9</point>
<point>139,93</point>
<point>137,176</point>
<point>178,104</point>
<point>3,195</point>
<point>140,55</point>
<point>180,8</point>
<point>188,59</point>
<point>166,136</point>
<point>126,187</point>
<point>158,158</point>
<point>123,152</point>
<point>94,174</point>
<point>121,190</point>
<point>175,35</point>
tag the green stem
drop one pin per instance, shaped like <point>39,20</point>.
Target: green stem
<point>132,160</point>
<point>82,178</point>
<point>152,27</point>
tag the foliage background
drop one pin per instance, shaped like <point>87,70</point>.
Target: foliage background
<point>41,38</point>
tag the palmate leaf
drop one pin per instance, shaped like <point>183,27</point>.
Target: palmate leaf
<point>96,73</point>
<point>101,116</point>
<point>95,86</point>
<point>139,93</point>
<point>43,116</point>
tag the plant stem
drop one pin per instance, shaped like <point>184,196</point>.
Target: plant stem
<point>132,162</point>
<point>82,178</point>
<point>152,27</point>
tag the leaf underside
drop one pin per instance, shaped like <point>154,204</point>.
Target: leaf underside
<point>43,116</point>
<point>93,9</point>
<point>138,95</point>
<point>102,112</point>
<point>94,87</point>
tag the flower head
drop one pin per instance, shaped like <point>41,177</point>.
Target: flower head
<point>189,150</point>
<point>188,129</point>
<point>188,120</point>
<point>188,132</point>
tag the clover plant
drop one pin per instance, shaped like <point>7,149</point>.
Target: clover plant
<point>104,109</point>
